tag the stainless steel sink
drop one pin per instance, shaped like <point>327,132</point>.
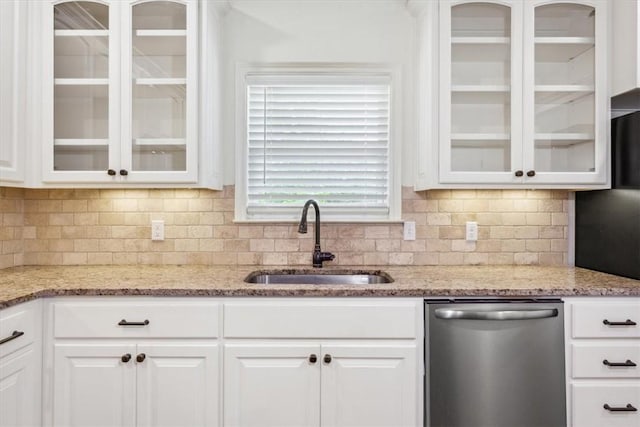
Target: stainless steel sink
<point>312,277</point>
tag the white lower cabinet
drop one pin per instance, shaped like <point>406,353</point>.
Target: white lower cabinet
<point>130,365</point>
<point>305,373</point>
<point>603,358</point>
<point>20,365</point>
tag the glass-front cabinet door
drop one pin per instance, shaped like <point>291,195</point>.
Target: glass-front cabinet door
<point>565,124</point>
<point>480,91</point>
<point>122,83</point>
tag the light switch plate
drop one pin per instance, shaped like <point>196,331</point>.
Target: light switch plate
<point>409,230</point>
<point>157,230</point>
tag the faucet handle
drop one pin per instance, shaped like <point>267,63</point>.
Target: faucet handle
<point>327,256</point>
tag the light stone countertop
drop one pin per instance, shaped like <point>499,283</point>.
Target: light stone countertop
<point>21,284</point>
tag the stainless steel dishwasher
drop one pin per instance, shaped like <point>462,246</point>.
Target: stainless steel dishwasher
<point>494,363</point>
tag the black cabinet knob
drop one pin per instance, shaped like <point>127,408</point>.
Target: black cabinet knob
<point>140,358</point>
<point>313,358</point>
<point>531,173</point>
<point>327,358</point>
<point>111,172</point>
<point>126,357</point>
<point>519,173</point>
<point>124,172</point>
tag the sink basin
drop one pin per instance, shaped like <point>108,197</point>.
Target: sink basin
<point>312,277</point>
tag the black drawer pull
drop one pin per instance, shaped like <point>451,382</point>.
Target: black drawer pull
<point>628,408</point>
<point>626,363</point>
<point>13,336</point>
<point>627,322</point>
<point>123,322</point>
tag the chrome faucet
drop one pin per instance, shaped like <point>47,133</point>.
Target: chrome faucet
<point>318,256</point>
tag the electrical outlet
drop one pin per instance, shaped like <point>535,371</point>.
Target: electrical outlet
<point>157,229</point>
<point>409,230</point>
<point>472,231</point>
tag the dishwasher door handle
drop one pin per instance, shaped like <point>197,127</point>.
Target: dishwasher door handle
<point>449,313</point>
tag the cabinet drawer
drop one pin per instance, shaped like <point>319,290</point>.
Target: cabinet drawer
<point>589,400</point>
<point>177,319</point>
<point>18,326</point>
<point>588,360</point>
<point>344,319</point>
<point>606,320</point>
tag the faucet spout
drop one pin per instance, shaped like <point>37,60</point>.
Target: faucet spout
<point>318,256</point>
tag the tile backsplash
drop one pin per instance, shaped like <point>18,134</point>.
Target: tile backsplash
<point>68,227</point>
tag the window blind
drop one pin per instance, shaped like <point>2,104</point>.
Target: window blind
<point>328,142</point>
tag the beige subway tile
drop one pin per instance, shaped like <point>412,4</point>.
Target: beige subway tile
<point>205,193</point>
<point>124,231</point>
<point>350,231</point>
<point>439,219</point>
<point>49,205</point>
<point>8,205</point>
<point>513,245</point>
<point>418,218</point>
<point>276,231</point>
<point>60,219</point>
<point>451,205</point>
<point>438,245</point>
<point>100,258</point>
<point>463,194</point>
<point>376,232</point>
<point>211,218</point>
<point>526,232</point>
<point>559,245</point>
<point>200,231</point>
<point>538,194</point>
<point>51,232</point>
<point>489,245</point>
<point>36,245</point>
<point>299,258</point>
<point>199,258</point>
<point>396,231</point>
<point>501,232</point>
<point>148,258</point>
<point>12,246</point>
<point>538,245</point>
<point>162,193</point>
<point>551,232</point>
<point>74,205</point>
<point>350,245</point>
<point>187,193</point>
<point>251,231</point>
<point>30,232</point>
<point>462,218</point>
<point>349,258</point>
<point>115,218</point>
<point>6,261</point>
<point>287,245</point>
<point>85,245</point>
<point>477,205</point>
<point>501,205</point>
<point>387,245</point>
<point>424,206</point>
<point>488,194</point>
<point>261,245</point>
<point>99,232</point>
<point>186,245</point>
<point>74,258</point>
<point>163,246</point>
<point>514,194</point>
<point>274,258</point>
<point>527,258</point>
<point>12,219</point>
<point>409,193</point>
<point>100,205</point>
<point>175,231</point>
<point>407,206</point>
<point>86,218</point>
<point>376,258</point>
<point>427,232</point>
<point>174,258</point>
<point>559,219</point>
<point>137,245</point>
<point>225,231</point>
<point>439,194</point>
<point>223,205</point>
<point>451,258</point>
<point>150,205</point>
<point>111,245</point>
<point>426,258</point>
<point>501,258</point>
<point>249,258</point>
<point>236,245</point>
<point>525,205</point>
<point>462,246</point>
<point>176,205</point>
<point>36,219</point>
<point>413,245</point>
<point>550,205</point>
<point>136,193</point>
<point>200,205</point>
<point>131,218</point>
<point>552,258</point>
<point>475,259</point>
<point>538,218</point>
<point>451,232</point>
<point>400,258</point>
<point>211,245</point>
<point>125,205</point>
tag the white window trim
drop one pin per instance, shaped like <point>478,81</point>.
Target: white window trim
<point>245,71</point>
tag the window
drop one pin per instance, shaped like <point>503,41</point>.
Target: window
<point>322,137</point>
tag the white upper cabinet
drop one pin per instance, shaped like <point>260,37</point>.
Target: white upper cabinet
<point>522,93</point>
<point>625,55</point>
<point>120,91</point>
<point>13,44</point>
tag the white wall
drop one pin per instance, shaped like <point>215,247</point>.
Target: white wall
<point>319,31</point>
